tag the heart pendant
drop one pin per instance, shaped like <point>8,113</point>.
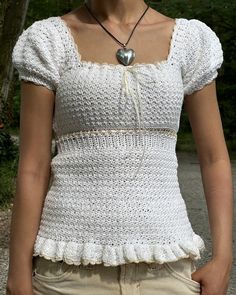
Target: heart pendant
<point>125,55</point>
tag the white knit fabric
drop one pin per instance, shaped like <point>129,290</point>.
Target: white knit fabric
<point>115,196</point>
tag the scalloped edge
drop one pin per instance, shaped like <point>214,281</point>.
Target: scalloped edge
<point>90,253</point>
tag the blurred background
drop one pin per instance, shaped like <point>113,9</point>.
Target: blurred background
<point>18,15</point>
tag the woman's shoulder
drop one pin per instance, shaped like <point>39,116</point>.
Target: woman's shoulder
<point>43,27</point>
<point>191,32</point>
<point>198,30</point>
<point>199,38</point>
<point>39,52</point>
<point>42,37</point>
<point>202,54</point>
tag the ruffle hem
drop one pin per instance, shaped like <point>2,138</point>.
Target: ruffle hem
<point>90,253</point>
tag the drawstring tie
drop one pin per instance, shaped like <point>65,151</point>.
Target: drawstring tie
<point>137,104</point>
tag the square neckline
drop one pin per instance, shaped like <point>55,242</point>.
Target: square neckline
<point>157,63</point>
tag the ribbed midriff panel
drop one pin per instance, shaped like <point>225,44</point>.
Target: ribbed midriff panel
<point>125,138</point>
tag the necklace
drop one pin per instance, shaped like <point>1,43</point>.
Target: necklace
<point>124,55</point>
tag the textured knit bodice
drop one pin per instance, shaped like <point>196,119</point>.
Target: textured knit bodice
<point>115,196</point>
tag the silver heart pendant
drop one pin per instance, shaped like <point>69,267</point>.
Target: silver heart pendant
<point>125,55</point>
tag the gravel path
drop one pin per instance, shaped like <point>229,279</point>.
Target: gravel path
<point>192,191</point>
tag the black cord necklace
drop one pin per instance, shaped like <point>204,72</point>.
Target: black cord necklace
<point>124,55</point>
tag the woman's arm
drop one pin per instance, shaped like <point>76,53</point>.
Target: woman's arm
<point>33,176</point>
<point>204,117</point>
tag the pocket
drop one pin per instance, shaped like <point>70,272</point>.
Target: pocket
<point>47,270</point>
<point>176,270</point>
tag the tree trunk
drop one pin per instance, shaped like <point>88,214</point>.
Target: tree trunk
<point>12,19</point>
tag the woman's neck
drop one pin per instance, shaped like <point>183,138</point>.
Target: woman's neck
<point>117,11</point>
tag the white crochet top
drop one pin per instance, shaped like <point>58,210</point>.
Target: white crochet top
<point>115,196</point>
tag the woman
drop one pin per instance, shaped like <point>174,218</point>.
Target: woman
<point>113,220</point>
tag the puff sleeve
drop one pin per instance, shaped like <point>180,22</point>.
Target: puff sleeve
<point>203,56</point>
<point>38,54</point>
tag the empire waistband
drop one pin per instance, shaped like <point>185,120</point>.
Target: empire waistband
<point>165,138</point>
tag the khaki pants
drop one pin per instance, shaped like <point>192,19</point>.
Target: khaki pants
<point>53,278</point>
